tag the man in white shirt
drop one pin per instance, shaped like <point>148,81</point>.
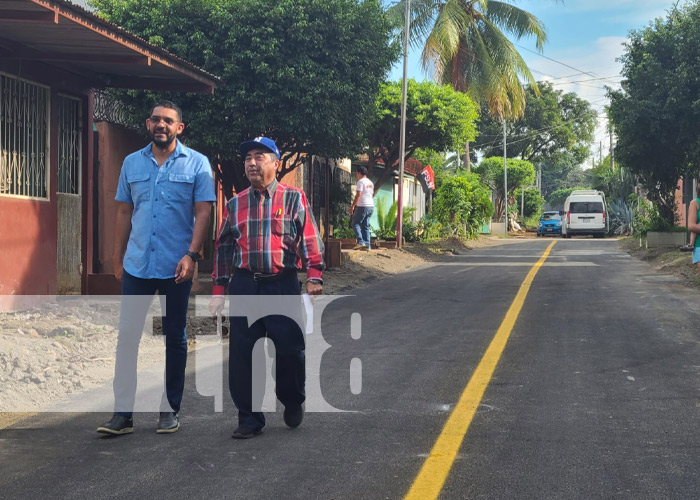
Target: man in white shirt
<point>362,208</point>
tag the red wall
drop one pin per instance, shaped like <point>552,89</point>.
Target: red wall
<point>680,206</point>
<point>28,250</point>
<point>114,143</point>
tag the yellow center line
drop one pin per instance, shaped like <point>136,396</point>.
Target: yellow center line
<point>432,476</point>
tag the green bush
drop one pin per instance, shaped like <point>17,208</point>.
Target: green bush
<point>386,220</point>
<point>648,219</point>
<point>411,231</point>
<point>622,215</point>
<point>430,229</point>
<point>343,230</point>
<point>533,203</point>
<point>462,205</point>
<point>531,221</point>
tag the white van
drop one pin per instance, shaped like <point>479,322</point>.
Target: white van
<point>585,213</point>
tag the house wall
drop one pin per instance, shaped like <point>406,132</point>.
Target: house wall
<point>28,229</point>
<point>386,194</point>
<point>413,196</point>
<point>29,226</point>
<point>114,143</point>
<point>681,208</point>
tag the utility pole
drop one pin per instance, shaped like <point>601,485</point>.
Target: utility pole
<point>505,178</point>
<point>402,137</point>
<point>612,154</point>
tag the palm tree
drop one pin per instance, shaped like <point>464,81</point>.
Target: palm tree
<point>465,46</point>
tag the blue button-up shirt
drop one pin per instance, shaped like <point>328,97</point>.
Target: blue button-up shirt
<point>162,223</point>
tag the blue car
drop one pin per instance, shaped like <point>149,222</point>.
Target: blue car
<point>549,223</point>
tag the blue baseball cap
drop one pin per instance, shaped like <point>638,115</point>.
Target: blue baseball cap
<point>259,142</point>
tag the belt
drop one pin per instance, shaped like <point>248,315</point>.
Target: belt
<point>264,277</point>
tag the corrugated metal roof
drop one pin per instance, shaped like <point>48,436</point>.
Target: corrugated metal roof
<point>61,34</point>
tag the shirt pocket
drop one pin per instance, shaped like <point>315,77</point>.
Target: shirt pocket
<point>139,186</point>
<point>180,187</point>
<point>284,226</point>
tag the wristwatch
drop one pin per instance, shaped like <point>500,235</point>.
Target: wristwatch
<point>315,281</point>
<point>194,256</point>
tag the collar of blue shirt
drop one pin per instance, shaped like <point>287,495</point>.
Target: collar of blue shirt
<point>180,150</point>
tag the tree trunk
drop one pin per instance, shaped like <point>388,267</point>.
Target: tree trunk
<point>467,160</point>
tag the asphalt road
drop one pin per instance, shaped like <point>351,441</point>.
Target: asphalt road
<point>594,396</point>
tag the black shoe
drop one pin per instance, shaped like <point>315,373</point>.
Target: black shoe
<point>243,432</point>
<point>117,425</point>
<point>168,423</point>
<point>293,415</point>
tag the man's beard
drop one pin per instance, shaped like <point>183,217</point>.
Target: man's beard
<point>160,142</point>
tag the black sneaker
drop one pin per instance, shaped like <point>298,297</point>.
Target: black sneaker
<point>243,432</point>
<point>168,423</point>
<point>293,415</point>
<point>117,425</point>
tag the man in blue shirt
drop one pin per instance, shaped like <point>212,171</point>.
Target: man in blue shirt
<point>165,194</point>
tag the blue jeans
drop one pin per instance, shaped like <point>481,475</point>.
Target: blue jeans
<point>360,223</point>
<point>132,317</point>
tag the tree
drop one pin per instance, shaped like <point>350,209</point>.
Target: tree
<point>555,134</point>
<point>521,173</point>
<point>616,183</point>
<point>557,198</point>
<point>657,112</point>
<point>533,202</point>
<point>465,45</point>
<point>430,157</point>
<point>293,70</point>
<point>437,117</point>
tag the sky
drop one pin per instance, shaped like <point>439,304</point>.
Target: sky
<point>585,38</point>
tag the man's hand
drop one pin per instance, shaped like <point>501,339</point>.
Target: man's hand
<point>314,288</point>
<point>118,269</point>
<point>216,305</point>
<point>184,270</point>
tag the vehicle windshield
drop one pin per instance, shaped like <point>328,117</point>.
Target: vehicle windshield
<point>552,216</point>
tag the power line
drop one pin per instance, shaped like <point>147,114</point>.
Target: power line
<point>558,62</point>
<point>580,72</point>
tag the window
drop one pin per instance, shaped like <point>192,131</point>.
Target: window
<point>551,216</point>
<point>24,124</point>
<point>586,207</point>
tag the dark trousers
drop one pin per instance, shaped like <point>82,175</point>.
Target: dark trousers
<point>132,317</point>
<point>290,360</point>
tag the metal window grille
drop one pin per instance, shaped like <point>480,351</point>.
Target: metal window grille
<point>70,133</point>
<point>24,124</point>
